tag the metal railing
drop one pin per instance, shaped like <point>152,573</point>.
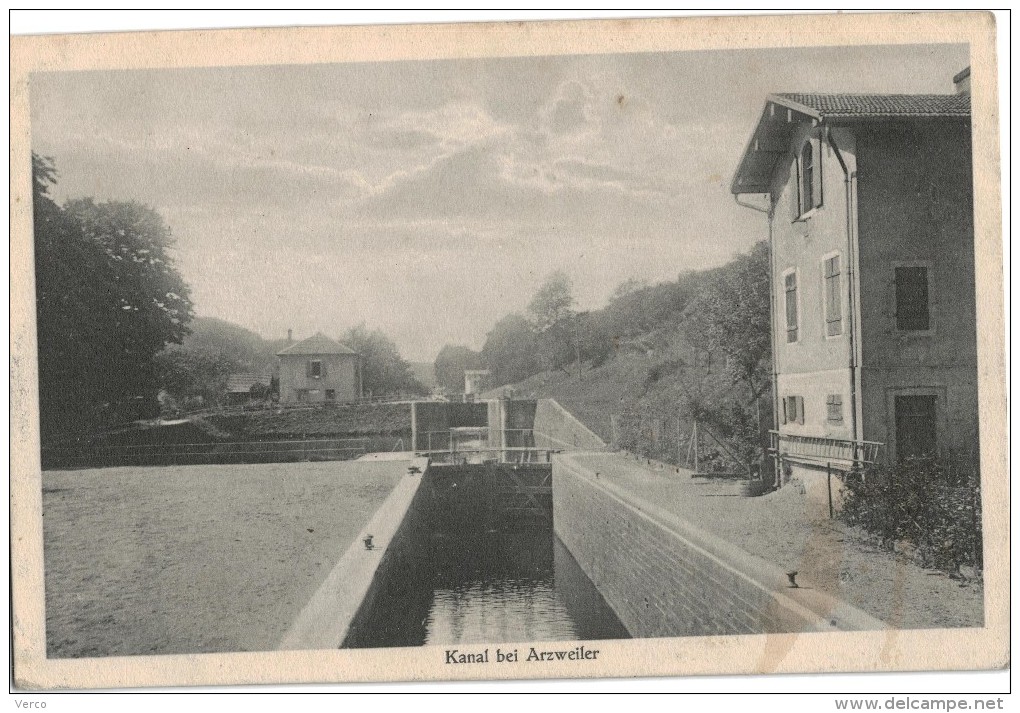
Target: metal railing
<point>465,437</point>
<point>822,449</point>
<point>476,456</point>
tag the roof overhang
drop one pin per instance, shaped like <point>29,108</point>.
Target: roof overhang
<point>769,141</point>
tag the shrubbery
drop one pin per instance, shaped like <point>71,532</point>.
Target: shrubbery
<point>933,503</point>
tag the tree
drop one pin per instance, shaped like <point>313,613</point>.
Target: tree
<point>384,371</point>
<point>552,319</point>
<point>451,363</point>
<point>186,371</point>
<point>733,317</point>
<point>108,299</point>
<point>552,303</point>
<point>511,350</point>
<point>735,313</point>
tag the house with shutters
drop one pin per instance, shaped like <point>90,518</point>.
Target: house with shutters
<point>319,369</point>
<point>868,201</point>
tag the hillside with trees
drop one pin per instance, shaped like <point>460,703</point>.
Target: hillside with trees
<point>196,371</point>
<point>652,362</point>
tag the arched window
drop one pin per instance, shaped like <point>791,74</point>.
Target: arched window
<point>807,178</point>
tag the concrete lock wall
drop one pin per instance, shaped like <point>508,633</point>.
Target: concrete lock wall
<point>555,428</point>
<point>511,423</point>
<point>438,417</point>
<point>663,577</point>
<point>337,608</point>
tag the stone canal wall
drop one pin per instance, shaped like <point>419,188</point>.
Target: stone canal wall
<point>556,428</point>
<point>349,590</point>
<point>665,578</point>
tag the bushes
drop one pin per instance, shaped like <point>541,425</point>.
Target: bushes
<point>933,503</point>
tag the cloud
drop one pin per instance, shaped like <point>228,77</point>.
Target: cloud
<point>452,124</point>
<point>570,111</point>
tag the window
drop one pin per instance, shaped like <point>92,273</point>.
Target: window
<point>793,409</point>
<point>833,301</point>
<point>912,304</point>
<point>330,395</point>
<point>834,408</point>
<point>809,178</point>
<point>315,368</point>
<point>790,289</point>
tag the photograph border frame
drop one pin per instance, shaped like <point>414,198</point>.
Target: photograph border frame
<point>892,650</point>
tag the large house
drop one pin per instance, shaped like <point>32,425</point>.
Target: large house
<point>319,369</point>
<point>869,201</point>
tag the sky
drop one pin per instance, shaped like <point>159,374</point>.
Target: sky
<point>428,199</point>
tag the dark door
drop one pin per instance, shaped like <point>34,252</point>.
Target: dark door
<point>915,426</point>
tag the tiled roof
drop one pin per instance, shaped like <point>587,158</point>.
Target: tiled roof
<point>318,343</point>
<point>879,105</point>
<point>783,112</point>
<point>242,383</point>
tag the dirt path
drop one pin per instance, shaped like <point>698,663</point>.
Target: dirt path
<point>195,559</point>
<point>787,528</point>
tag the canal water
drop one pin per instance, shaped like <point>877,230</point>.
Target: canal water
<point>486,587</point>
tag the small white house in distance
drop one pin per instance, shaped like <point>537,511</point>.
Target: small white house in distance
<point>319,369</point>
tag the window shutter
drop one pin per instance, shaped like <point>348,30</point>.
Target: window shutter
<point>796,198</point>
<point>807,176</point>
<point>790,299</point>
<point>834,408</point>
<point>800,409</point>
<point>322,368</point>
<point>817,176</point>
<point>833,297</point>
<point>308,368</point>
<point>785,419</point>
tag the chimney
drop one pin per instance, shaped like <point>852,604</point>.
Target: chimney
<point>962,81</point>
<point>290,336</point>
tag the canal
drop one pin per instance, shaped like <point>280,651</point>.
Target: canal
<point>469,586</point>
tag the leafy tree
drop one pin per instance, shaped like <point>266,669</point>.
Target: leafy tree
<point>511,350</point>
<point>384,371</point>
<point>735,317</point>
<point>188,371</point>
<point>553,320</point>
<point>552,303</point>
<point>108,298</point>
<point>451,363</point>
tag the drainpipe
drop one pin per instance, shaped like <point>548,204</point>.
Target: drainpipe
<point>849,179</point>
<point>770,213</point>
